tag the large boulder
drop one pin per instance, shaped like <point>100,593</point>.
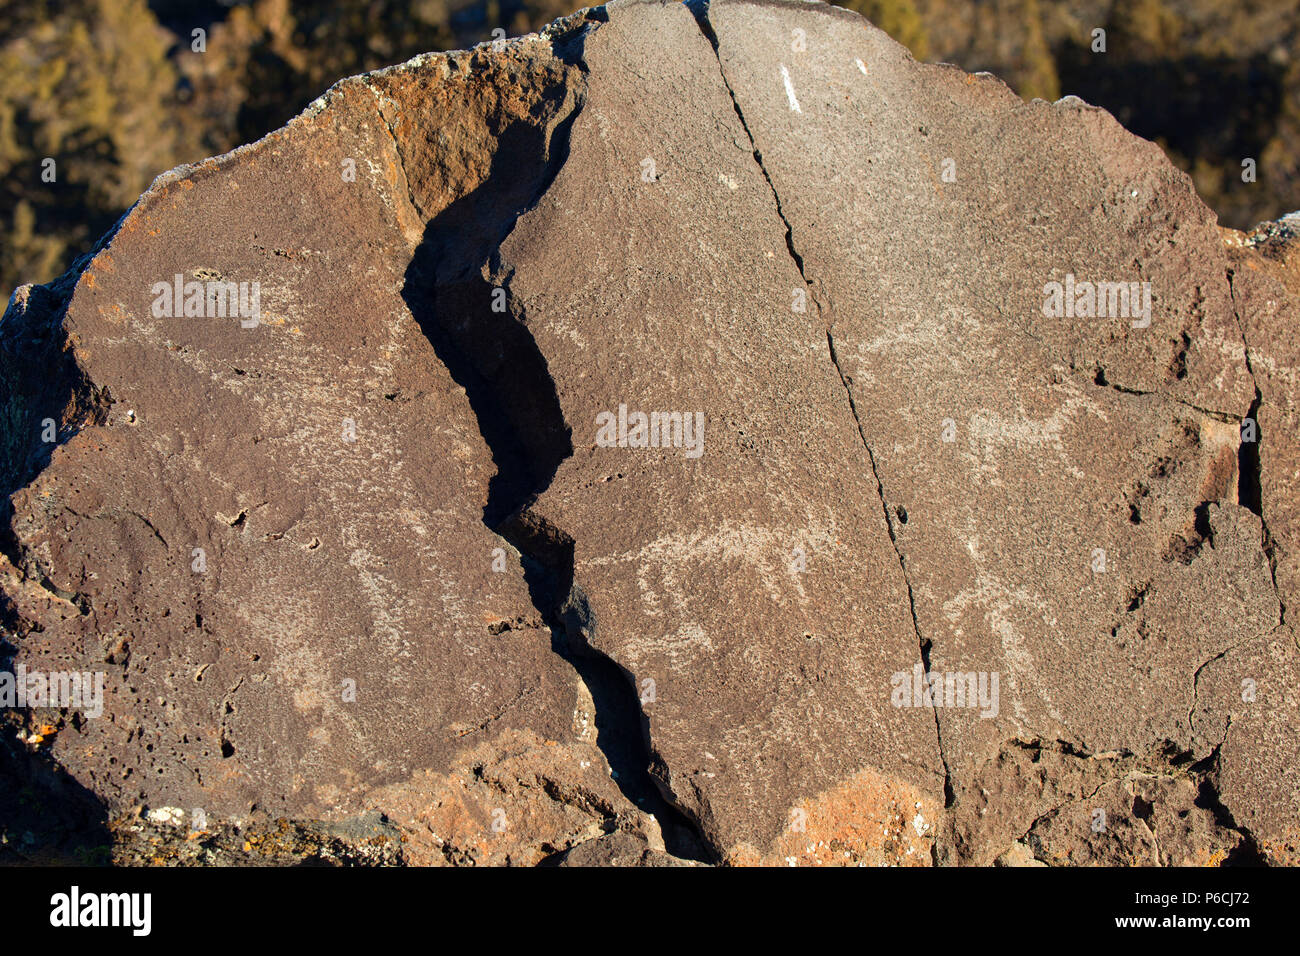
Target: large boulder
<point>692,431</point>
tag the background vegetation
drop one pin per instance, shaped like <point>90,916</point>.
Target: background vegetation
<point>113,93</point>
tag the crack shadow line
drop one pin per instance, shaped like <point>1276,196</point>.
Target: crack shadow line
<point>458,288</point>
<point>700,9</point>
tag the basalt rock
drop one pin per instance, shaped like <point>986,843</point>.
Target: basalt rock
<point>692,433</point>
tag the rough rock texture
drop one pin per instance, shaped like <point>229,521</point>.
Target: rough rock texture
<point>372,555</point>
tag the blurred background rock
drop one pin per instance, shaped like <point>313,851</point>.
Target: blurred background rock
<point>113,92</point>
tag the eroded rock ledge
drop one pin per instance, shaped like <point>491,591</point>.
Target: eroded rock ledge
<point>365,558</point>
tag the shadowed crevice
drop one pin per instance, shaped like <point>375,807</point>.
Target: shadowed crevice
<point>1250,492</point>
<point>458,289</point>
<point>46,816</point>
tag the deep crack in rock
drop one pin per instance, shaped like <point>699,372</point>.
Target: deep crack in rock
<point>491,353</point>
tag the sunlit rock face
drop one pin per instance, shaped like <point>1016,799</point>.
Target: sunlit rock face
<point>689,434</point>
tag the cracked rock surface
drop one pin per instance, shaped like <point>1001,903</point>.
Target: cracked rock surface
<point>372,559</point>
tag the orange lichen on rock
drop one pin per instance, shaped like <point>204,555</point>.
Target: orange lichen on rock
<point>868,820</point>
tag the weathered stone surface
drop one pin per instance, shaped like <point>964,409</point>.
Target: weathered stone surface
<point>617,849</point>
<point>343,627</point>
<point>761,682</point>
<point>1247,703</point>
<point>1058,489</point>
<point>1142,820</point>
<point>1247,706</point>
<point>373,558</point>
<point>516,800</point>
